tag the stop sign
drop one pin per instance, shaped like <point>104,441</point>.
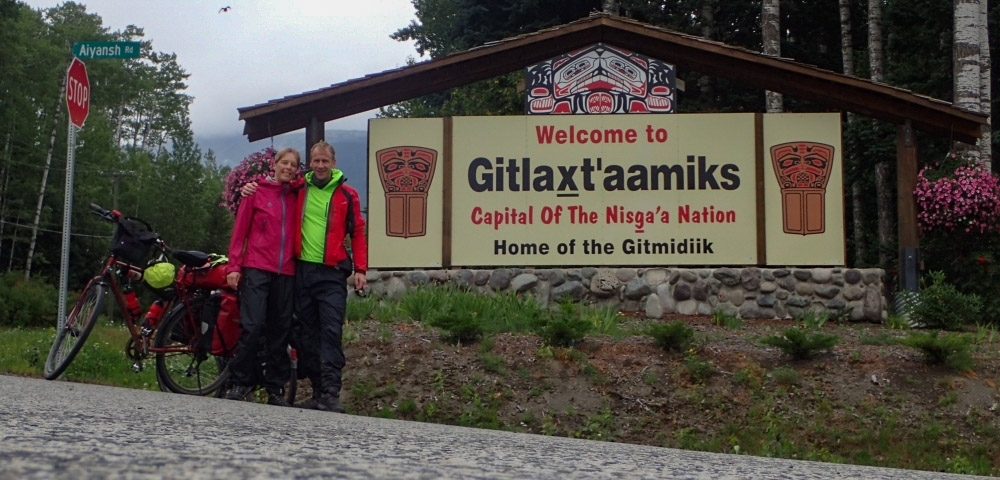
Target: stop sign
<point>77,92</point>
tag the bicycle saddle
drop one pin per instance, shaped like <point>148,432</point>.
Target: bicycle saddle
<point>191,258</point>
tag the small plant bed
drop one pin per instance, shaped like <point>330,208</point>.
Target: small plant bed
<point>812,388</point>
<point>858,396</point>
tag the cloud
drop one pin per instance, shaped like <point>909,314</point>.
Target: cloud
<point>262,50</point>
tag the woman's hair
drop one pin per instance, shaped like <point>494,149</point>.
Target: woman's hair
<point>286,150</point>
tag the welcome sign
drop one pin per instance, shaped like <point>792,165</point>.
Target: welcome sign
<point>605,190</point>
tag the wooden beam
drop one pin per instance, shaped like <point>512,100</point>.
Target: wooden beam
<point>687,52</point>
<point>446,161</point>
<point>758,125</point>
<point>906,181</point>
<point>315,132</point>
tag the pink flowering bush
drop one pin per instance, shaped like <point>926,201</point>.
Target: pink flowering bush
<point>253,168</point>
<point>959,214</point>
<point>967,199</point>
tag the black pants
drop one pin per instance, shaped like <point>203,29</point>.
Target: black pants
<point>320,304</point>
<point>266,301</point>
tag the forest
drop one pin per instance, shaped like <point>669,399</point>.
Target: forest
<point>137,152</point>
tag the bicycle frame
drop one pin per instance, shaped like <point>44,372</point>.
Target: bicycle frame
<point>112,275</point>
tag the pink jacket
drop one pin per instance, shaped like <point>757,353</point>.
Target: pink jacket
<point>264,231</point>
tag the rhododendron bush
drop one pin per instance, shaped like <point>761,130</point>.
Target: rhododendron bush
<point>253,168</point>
<point>958,205</point>
<point>966,199</point>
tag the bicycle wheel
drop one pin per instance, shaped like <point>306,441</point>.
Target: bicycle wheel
<point>185,371</point>
<point>80,321</point>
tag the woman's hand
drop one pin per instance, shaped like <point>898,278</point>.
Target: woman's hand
<point>233,280</point>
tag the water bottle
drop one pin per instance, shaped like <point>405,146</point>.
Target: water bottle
<point>132,303</point>
<point>152,318</point>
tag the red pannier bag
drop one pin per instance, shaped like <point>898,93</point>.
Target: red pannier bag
<point>211,276</point>
<point>221,313</point>
<point>227,325</point>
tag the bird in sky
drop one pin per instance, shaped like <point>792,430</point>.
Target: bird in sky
<point>224,9</point>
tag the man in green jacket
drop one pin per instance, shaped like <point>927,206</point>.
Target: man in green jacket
<point>331,210</point>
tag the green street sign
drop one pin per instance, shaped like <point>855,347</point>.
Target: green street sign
<point>98,50</point>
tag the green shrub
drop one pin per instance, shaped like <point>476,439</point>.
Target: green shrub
<point>801,343</point>
<point>459,325</point>
<point>948,349</point>
<point>604,320</point>
<point>674,336</point>
<point>565,326</point>
<point>27,303</point>
<point>422,303</point>
<point>727,319</point>
<point>360,308</point>
<point>786,376</point>
<point>897,321</point>
<point>697,369</point>
<point>507,312</point>
<point>941,305</point>
<point>814,318</point>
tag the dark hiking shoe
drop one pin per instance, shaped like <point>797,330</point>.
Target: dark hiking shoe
<point>311,404</point>
<point>276,398</point>
<point>238,392</point>
<point>330,403</point>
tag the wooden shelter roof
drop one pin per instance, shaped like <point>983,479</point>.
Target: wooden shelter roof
<point>687,52</point>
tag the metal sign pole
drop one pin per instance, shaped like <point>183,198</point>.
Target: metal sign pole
<point>67,215</point>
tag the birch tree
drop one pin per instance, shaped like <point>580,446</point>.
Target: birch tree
<point>771,22</point>
<point>985,92</point>
<point>884,190</point>
<point>968,67</point>
<point>857,203</point>
<point>986,97</point>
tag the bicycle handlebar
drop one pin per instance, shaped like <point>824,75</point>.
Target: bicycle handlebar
<point>115,216</point>
<point>101,212</point>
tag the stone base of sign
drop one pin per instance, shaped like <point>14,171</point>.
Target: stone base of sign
<point>750,292</point>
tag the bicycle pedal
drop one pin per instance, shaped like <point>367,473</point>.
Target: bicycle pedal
<point>137,367</point>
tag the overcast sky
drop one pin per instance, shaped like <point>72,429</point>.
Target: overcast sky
<point>260,50</point>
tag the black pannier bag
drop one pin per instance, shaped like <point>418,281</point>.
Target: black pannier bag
<point>132,242</point>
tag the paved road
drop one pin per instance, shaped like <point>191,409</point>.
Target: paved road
<point>70,430</point>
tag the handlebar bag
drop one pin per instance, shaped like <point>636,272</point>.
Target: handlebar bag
<point>132,242</point>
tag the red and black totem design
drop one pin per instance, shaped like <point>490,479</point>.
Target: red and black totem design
<point>803,170</point>
<point>406,173</point>
<point>600,79</point>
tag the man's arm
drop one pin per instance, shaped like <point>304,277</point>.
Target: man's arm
<point>248,189</point>
<point>359,245</point>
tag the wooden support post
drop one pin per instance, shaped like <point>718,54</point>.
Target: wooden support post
<point>315,132</point>
<point>759,184</point>
<point>906,207</point>
<point>446,161</point>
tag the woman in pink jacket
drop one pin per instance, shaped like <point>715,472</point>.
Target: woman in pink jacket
<point>262,267</point>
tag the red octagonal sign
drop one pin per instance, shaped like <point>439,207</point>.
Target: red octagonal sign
<point>77,92</point>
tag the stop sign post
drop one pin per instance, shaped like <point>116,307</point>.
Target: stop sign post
<point>77,92</point>
<point>78,106</point>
